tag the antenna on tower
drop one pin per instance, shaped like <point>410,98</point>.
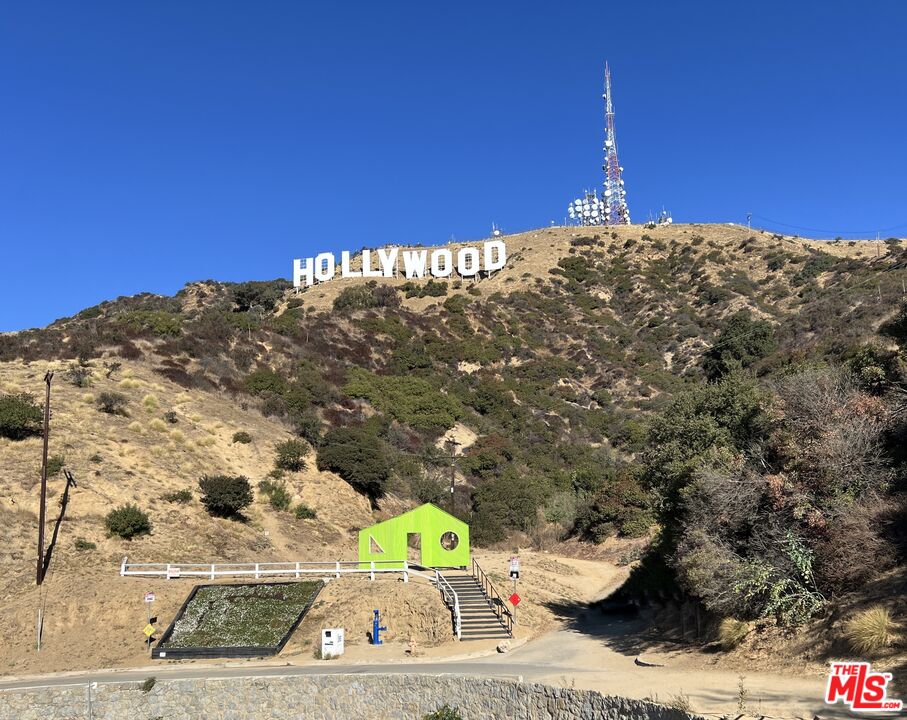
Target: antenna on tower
<point>609,208</point>
<point>616,210</point>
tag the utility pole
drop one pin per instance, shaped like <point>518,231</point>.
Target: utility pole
<point>42,510</point>
<point>451,445</point>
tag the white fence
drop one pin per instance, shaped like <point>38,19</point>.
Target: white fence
<point>326,570</point>
<point>266,569</point>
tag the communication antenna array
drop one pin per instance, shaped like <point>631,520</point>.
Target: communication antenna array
<point>609,207</point>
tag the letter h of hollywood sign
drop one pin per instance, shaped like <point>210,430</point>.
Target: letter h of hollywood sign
<point>440,263</point>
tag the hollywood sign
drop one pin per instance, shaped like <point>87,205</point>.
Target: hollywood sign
<point>440,263</point>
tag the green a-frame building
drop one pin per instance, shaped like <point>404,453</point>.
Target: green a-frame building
<point>443,539</point>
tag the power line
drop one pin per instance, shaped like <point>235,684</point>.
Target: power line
<point>832,232</point>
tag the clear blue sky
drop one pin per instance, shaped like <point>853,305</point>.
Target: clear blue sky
<point>145,144</point>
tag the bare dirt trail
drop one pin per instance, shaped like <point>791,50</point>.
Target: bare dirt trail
<point>598,656</point>
<point>594,651</point>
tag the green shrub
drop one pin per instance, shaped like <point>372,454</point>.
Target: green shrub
<point>410,400</point>
<point>79,375</point>
<point>444,712</point>
<point>265,382</point>
<point>359,457</point>
<point>242,437</point>
<point>127,522</point>
<point>732,632</point>
<point>304,512</point>
<point>225,495</point>
<point>20,417</point>
<point>82,544</point>
<point>433,288</point>
<point>259,294</point>
<point>148,685</point>
<point>456,304</point>
<point>112,403</point>
<point>357,297</point>
<point>170,417</point>
<point>182,497</point>
<point>871,631</point>
<point>55,464</point>
<point>619,506</point>
<point>157,322</point>
<point>741,342</point>
<point>307,425</point>
<point>291,455</point>
<point>277,493</point>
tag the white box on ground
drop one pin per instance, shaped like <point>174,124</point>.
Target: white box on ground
<point>331,642</point>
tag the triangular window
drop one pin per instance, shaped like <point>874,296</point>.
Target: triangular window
<point>373,547</point>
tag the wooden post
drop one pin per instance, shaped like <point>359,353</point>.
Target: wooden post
<point>42,509</point>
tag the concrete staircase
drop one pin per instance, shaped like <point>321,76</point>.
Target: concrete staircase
<point>478,620</point>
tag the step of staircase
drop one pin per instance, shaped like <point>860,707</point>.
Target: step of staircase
<point>478,620</point>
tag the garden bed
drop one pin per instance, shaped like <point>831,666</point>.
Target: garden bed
<point>248,620</point>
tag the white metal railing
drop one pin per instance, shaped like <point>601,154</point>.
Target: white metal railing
<point>336,568</point>
<point>451,599</point>
<point>265,569</point>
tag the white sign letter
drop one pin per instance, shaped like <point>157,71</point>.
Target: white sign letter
<point>345,266</point>
<point>301,271</point>
<point>470,255</point>
<point>388,260</point>
<point>436,269</point>
<point>501,259</point>
<point>367,265</point>
<point>324,267</point>
<point>414,262</point>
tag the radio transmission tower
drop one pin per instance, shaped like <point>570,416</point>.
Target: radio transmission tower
<point>609,208</point>
<point>616,210</point>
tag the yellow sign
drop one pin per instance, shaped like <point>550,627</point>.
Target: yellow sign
<point>149,630</point>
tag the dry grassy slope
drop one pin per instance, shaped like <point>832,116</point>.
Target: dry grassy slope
<point>532,254</point>
<point>139,458</point>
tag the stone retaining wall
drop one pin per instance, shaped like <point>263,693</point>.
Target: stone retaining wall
<point>325,697</point>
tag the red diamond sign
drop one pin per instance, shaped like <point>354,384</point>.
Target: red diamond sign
<point>514,599</point>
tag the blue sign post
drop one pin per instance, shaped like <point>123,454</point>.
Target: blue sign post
<point>377,629</point>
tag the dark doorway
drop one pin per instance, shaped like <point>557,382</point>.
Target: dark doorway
<point>414,548</point>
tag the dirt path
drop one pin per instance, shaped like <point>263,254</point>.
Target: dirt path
<point>597,658</point>
<point>594,651</point>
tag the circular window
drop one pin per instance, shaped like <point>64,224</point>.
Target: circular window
<point>449,541</point>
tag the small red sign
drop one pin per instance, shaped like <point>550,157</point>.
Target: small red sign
<point>514,599</point>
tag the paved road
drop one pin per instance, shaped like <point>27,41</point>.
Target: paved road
<point>546,661</point>
<point>467,667</point>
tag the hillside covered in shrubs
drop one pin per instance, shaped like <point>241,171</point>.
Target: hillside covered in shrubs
<point>739,396</point>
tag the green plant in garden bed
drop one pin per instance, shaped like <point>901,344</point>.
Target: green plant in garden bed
<point>241,615</point>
